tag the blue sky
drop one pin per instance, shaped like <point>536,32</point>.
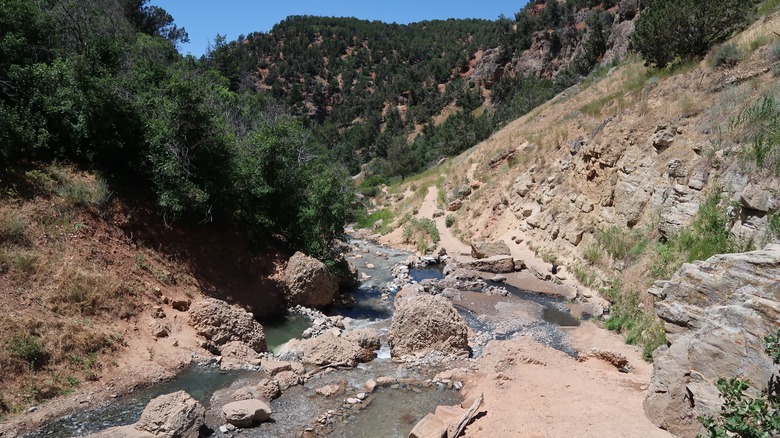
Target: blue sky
<point>205,19</point>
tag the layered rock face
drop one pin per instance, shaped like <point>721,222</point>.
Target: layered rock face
<point>220,323</point>
<point>309,282</point>
<point>425,323</point>
<point>716,314</point>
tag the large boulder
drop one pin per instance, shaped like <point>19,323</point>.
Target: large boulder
<point>245,413</point>
<point>425,323</point>
<point>309,282</point>
<point>483,250</point>
<point>220,323</point>
<point>716,314</point>
<point>175,415</point>
<point>329,348</point>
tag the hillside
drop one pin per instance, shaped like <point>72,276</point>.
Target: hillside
<point>622,179</point>
<point>376,92</point>
<point>95,287</point>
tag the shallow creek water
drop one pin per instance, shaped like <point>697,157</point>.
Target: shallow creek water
<point>389,412</point>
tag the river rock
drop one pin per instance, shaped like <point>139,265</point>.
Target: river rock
<point>221,323</point>
<point>269,389</point>
<point>175,415</point>
<point>236,354</point>
<point>328,390</point>
<point>716,314</point>
<point>309,282</point>
<point>429,427</point>
<point>483,250</point>
<point>245,413</point>
<point>288,379</point>
<point>367,339</point>
<point>326,349</point>
<point>274,367</point>
<point>427,323</point>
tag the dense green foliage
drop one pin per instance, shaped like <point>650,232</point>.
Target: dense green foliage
<point>100,84</point>
<point>670,29</point>
<point>744,415</point>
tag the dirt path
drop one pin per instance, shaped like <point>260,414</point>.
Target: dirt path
<point>534,391</point>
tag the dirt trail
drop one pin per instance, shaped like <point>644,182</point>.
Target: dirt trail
<point>534,391</point>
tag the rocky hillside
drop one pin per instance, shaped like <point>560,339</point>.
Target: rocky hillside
<point>625,177</point>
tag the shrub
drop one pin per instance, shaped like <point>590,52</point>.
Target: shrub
<point>422,232</point>
<point>727,55</point>
<point>29,349</point>
<point>774,52</point>
<point>670,29</point>
<point>13,230</point>
<point>449,221</point>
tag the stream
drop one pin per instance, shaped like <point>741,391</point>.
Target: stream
<point>388,412</point>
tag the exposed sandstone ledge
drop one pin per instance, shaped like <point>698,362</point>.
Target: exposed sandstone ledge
<point>717,313</point>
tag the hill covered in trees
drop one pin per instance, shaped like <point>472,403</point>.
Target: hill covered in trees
<point>400,97</point>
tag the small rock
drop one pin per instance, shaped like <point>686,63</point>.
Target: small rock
<point>180,305</point>
<point>328,390</point>
<point>223,429</point>
<point>498,279</point>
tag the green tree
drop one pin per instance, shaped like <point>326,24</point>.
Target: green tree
<point>668,29</point>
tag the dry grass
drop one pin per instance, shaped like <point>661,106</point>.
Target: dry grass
<point>58,313</point>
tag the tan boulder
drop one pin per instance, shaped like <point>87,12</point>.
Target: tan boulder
<point>427,323</point>
<point>245,413</point>
<point>221,323</point>
<point>175,415</point>
<point>309,282</point>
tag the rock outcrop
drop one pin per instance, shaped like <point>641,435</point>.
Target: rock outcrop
<point>309,282</point>
<point>716,314</point>
<point>220,323</point>
<point>424,323</point>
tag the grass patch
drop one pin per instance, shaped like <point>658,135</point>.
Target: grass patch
<point>706,236</point>
<point>422,233</point>
<point>13,230</point>
<point>768,6</point>
<point>620,244</point>
<point>759,124</point>
<point>29,350</point>
<point>586,277</point>
<point>385,215</point>
<point>627,317</point>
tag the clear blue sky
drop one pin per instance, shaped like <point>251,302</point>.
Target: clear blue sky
<point>205,19</point>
